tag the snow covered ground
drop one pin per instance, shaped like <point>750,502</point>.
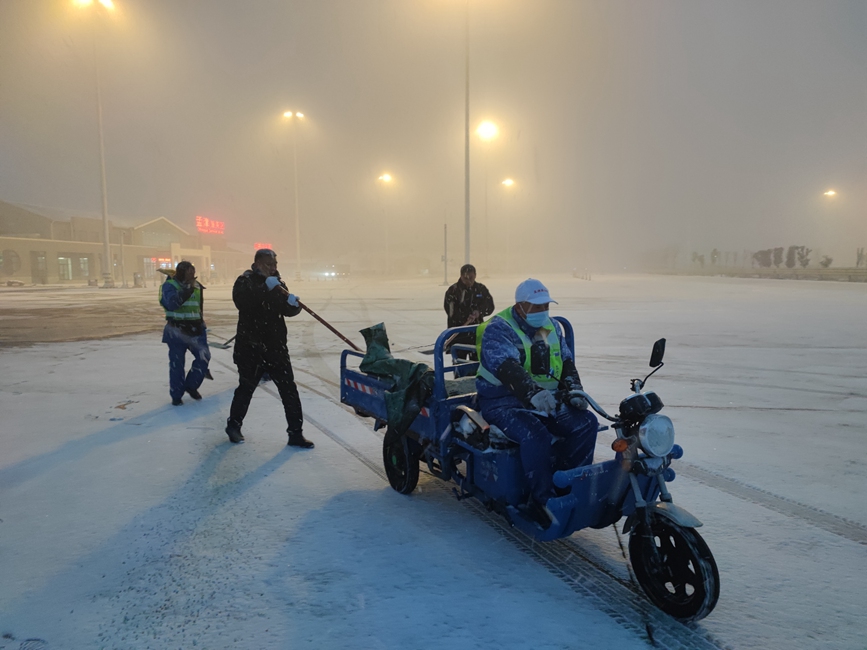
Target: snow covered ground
<point>128,523</point>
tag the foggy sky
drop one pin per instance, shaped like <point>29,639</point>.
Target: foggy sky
<point>627,126</point>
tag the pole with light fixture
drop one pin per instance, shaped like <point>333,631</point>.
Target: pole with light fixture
<point>508,184</point>
<point>295,117</point>
<point>467,134</point>
<point>487,131</point>
<point>384,182</point>
<point>107,266</point>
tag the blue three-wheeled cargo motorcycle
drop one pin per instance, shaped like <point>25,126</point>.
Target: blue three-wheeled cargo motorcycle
<point>671,561</point>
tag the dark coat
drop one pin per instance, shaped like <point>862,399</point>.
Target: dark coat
<point>461,301</point>
<point>261,333</point>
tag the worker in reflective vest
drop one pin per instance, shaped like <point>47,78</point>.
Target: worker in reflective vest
<point>181,297</point>
<point>525,364</point>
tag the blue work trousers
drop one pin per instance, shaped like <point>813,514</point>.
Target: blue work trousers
<point>547,444</point>
<point>179,343</point>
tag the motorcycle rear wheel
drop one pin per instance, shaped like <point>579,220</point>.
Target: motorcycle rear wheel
<point>400,458</point>
<point>675,568</point>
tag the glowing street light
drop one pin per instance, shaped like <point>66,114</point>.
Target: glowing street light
<point>108,4</point>
<point>107,266</point>
<point>508,182</point>
<point>297,116</point>
<point>830,193</point>
<point>487,131</point>
<point>385,180</point>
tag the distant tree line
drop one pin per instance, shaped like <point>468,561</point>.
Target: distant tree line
<point>795,255</point>
<point>780,256</point>
<point>725,258</point>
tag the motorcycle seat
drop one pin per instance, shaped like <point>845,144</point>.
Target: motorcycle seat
<point>469,425</point>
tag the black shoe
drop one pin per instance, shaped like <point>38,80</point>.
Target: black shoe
<point>234,433</point>
<point>298,440</point>
<point>196,395</point>
<point>177,402</point>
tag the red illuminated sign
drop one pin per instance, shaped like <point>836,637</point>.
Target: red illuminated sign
<point>209,226</point>
<point>259,245</point>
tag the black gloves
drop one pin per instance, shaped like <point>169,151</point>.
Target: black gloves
<point>569,379</point>
<point>518,380</point>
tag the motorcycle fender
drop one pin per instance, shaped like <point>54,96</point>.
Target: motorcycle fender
<point>668,510</point>
<point>677,514</point>
<point>630,522</point>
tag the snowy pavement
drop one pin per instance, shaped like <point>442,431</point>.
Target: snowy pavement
<point>128,523</point>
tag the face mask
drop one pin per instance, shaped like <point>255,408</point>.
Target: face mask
<point>537,319</point>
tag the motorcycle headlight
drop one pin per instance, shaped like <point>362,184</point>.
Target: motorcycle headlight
<point>656,435</point>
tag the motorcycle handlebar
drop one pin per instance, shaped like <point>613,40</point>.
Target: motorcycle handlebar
<point>593,404</point>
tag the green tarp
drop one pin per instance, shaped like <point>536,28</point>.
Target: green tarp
<point>411,383</point>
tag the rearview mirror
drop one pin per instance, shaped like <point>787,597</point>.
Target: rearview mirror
<point>657,354</point>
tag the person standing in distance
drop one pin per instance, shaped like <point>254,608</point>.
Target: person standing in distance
<point>466,302</point>
<point>263,301</point>
<point>181,297</point>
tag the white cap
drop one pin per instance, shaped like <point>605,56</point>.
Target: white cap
<point>534,292</point>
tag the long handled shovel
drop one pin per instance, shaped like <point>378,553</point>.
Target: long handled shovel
<point>328,325</point>
<point>223,346</point>
<point>226,346</point>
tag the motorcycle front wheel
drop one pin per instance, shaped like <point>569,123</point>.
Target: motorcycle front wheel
<point>674,567</point>
<point>400,457</point>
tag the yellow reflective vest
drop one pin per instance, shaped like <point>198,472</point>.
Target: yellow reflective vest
<point>190,310</point>
<point>549,381</point>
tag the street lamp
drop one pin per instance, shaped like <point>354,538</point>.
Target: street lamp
<point>108,4</point>
<point>508,184</point>
<point>467,135</point>
<point>487,131</point>
<point>830,193</point>
<point>107,270</point>
<point>296,117</point>
<point>384,182</point>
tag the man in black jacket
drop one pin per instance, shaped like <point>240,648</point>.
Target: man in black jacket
<point>466,302</point>
<point>263,301</point>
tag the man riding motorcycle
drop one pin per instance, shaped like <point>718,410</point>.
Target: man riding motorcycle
<point>525,364</point>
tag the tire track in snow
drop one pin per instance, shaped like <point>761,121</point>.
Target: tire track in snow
<point>846,528</point>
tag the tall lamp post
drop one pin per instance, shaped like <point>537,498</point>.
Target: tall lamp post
<point>107,266</point>
<point>508,184</point>
<point>487,131</point>
<point>384,181</point>
<point>467,135</point>
<point>296,117</point>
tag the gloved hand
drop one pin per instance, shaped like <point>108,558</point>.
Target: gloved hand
<point>292,299</point>
<point>544,401</point>
<point>576,400</point>
<point>272,281</point>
